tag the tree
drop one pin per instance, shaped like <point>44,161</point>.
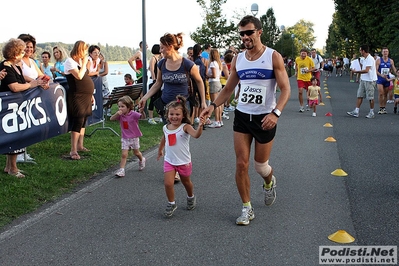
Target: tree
<point>215,30</point>
<point>270,29</point>
<point>285,45</point>
<point>373,22</point>
<point>111,53</point>
<point>294,38</point>
<point>304,34</point>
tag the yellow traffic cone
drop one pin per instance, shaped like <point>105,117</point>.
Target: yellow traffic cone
<point>330,139</point>
<point>339,172</point>
<point>341,236</point>
<point>327,125</point>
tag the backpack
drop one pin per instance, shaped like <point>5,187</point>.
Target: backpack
<point>318,58</point>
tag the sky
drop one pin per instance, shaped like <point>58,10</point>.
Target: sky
<point>119,22</point>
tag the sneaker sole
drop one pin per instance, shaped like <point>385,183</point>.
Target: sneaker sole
<point>190,208</point>
<point>246,223</point>
<point>242,223</point>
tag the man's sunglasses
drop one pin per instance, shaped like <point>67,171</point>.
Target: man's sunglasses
<point>247,32</point>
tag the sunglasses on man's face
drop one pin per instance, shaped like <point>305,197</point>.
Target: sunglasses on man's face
<point>247,32</point>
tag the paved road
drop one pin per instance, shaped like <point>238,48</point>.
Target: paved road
<point>119,221</point>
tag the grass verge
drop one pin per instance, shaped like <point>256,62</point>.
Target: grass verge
<point>55,174</point>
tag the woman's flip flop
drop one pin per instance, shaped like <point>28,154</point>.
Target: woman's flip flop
<point>74,156</point>
<point>17,174</point>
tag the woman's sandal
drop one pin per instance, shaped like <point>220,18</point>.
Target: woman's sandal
<point>84,149</point>
<point>74,156</point>
<point>17,174</point>
<point>19,170</point>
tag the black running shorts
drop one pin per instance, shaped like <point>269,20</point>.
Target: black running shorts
<point>251,124</point>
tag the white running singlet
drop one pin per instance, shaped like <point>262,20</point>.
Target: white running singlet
<point>258,83</point>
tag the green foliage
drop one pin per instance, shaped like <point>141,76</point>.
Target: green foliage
<point>218,32</point>
<point>292,39</point>
<point>285,44</point>
<point>215,30</point>
<point>304,35</point>
<point>373,22</point>
<point>271,31</point>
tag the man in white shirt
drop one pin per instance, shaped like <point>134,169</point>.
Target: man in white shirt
<point>346,65</point>
<point>367,84</point>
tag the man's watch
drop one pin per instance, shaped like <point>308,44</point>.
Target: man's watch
<point>276,112</point>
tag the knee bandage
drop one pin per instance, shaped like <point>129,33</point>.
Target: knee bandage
<point>264,169</point>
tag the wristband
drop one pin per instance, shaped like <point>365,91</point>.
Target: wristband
<point>214,105</point>
<point>276,112</point>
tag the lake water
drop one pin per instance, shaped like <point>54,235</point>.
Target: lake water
<point>116,73</point>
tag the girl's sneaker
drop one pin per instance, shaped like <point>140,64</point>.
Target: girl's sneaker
<point>170,209</point>
<point>120,172</point>
<point>142,164</point>
<point>191,203</point>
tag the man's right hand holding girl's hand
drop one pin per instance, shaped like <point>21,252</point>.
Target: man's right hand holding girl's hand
<point>202,121</point>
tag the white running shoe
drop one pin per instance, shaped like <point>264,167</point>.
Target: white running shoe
<point>120,172</point>
<point>247,215</point>
<point>142,164</point>
<point>152,121</point>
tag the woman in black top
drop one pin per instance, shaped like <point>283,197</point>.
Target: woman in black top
<point>14,81</point>
<point>79,97</point>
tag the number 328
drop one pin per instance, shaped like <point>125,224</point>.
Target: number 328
<point>251,98</point>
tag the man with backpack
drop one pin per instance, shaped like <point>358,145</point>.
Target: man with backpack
<point>318,65</point>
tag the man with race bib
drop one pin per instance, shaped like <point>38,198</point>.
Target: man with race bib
<point>259,69</point>
<point>304,66</point>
